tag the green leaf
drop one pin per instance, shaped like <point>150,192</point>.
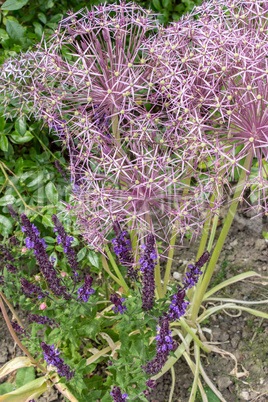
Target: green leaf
<point>46,220</point>
<point>42,17</point>
<point>18,139</point>
<point>166,3</point>
<point>38,29</point>
<point>93,259</point>
<point>2,119</point>
<point>157,5</point>
<point>3,143</point>
<point>5,388</point>
<point>19,166</point>
<point>24,375</point>
<point>14,4</point>
<point>36,180</point>
<point>16,32</point>
<point>20,126</point>
<point>52,193</point>
<point>5,225</point>
<point>210,394</point>
<point>81,254</point>
<point>29,391</point>
<point>7,199</point>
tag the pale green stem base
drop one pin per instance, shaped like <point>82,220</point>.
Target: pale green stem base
<point>213,261</point>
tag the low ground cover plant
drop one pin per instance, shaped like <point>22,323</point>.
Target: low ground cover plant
<point>156,122</point>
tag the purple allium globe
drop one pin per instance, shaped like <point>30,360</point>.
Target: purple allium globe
<point>214,83</point>
<point>105,77</point>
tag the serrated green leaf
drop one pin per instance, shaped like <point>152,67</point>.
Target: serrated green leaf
<point>20,126</point>
<point>52,193</point>
<point>3,143</point>
<point>24,375</point>
<point>13,4</point>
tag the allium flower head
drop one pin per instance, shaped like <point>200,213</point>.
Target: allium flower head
<point>214,78</point>
<point>104,77</point>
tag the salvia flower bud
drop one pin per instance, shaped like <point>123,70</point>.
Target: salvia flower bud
<point>66,240</point>
<point>117,395</point>
<point>33,241</point>
<point>165,344</point>
<point>17,327</point>
<point>42,320</point>
<point>118,306</point>
<point>51,357</point>
<point>147,267</point>
<point>85,291</point>
<point>122,248</point>
<point>29,288</point>
<point>178,305</point>
<point>150,384</point>
<point>195,272</point>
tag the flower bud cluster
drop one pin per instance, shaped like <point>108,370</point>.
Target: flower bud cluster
<point>17,328</point>
<point>30,288</point>
<point>117,395</point>
<point>165,344</point>
<point>51,356</point>
<point>42,320</point>
<point>85,291</point>
<point>122,248</point>
<point>147,264</point>
<point>66,243</point>
<point>118,306</point>
<point>33,241</point>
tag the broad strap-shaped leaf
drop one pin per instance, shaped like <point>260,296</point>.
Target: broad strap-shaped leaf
<point>28,391</point>
<point>15,364</point>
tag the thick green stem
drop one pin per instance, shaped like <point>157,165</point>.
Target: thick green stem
<point>204,238</point>
<point>173,238</point>
<point>170,259</point>
<point>196,374</point>
<point>115,267</point>
<point>229,219</point>
<point>195,337</point>
<point>107,269</point>
<point>209,247</point>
